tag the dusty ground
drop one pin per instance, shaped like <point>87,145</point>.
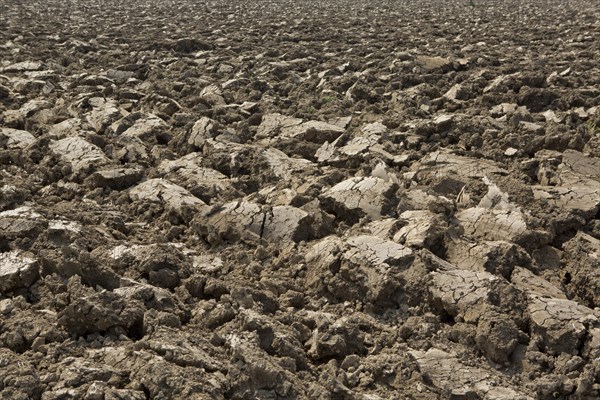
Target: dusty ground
<point>299,200</point>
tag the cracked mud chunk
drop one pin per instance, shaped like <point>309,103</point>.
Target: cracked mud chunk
<point>132,150</point>
<point>119,76</point>
<point>578,167</point>
<point>273,124</point>
<point>341,148</point>
<point>459,381</point>
<point>371,142</point>
<point>286,223</point>
<point>79,153</point>
<point>17,270</point>
<point>23,66</point>
<point>189,161</point>
<point>496,218</point>
<point>21,222</point>
<point>294,137</point>
<point>530,283</point>
<point>530,126</point>
<point>92,391</point>
<point>363,267</point>
<point>561,324</point>
<point>204,183</point>
<point>505,225</point>
<point>280,126</point>
<point>204,128</point>
<point>67,128</point>
<point>384,228</point>
<point>377,251</point>
<point>117,178</point>
<point>417,199</point>
<point>174,197</point>
<point>104,113</point>
<point>64,231</point>
<point>582,199</point>
<point>384,172</point>
<point>433,63</point>
<point>213,95</point>
<point>148,129</point>
<point>360,196</point>
<point>285,167</point>
<point>497,257</point>
<point>578,185</point>
<point>456,92</point>
<point>231,159</point>
<point>441,164</point>
<point>583,268</point>
<point>423,229</point>
<point>462,292</point>
<point>251,222</point>
<point>374,129</point>
<point>17,118</point>
<point>503,109</point>
<point>15,138</point>
<point>499,84</point>
<point>238,220</point>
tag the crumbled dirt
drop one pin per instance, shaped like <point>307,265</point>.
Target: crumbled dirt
<point>299,200</point>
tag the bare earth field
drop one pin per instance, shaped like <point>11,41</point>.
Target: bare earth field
<point>299,199</point>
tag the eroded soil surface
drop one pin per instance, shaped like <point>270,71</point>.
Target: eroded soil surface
<point>299,199</point>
